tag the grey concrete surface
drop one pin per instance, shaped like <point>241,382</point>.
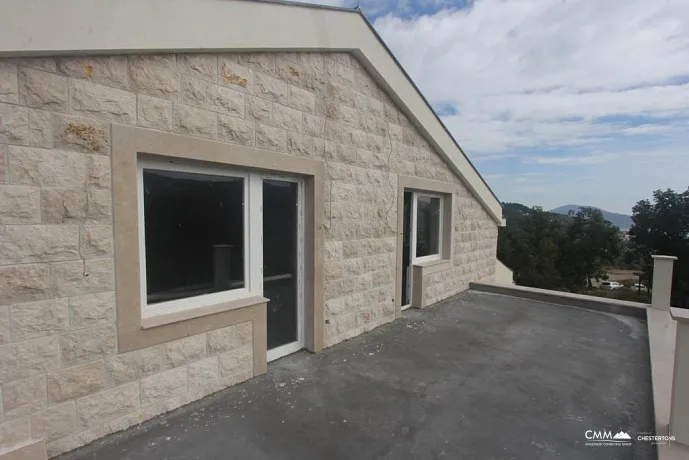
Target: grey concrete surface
<point>479,376</point>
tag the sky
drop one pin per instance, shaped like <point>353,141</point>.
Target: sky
<point>554,101</point>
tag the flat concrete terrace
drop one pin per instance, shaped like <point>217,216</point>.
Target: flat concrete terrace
<point>478,376</point>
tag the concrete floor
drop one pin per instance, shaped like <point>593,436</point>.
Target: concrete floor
<point>479,376</point>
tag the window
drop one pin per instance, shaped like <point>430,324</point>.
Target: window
<point>427,222</point>
<point>196,234</point>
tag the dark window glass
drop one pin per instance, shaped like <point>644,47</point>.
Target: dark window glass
<point>194,234</point>
<point>427,226</point>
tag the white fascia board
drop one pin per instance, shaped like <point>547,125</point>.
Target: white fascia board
<point>73,27</point>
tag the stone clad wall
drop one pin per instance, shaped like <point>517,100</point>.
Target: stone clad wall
<point>62,378</point>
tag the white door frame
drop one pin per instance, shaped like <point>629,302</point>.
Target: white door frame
<point>297,345</point>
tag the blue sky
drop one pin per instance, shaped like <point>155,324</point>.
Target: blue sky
<point>555,101</point>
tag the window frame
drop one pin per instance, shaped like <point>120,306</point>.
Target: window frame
<point>253,234</point>
<point>439,254</point>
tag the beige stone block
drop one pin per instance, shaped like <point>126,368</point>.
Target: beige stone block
<point>288,70</point>
<point>75,382</point>
<point>43,90</point>
<point>37,319</point>
<point>182,351</point>
<point>81,134</point>
<point>340,152</point>
<point>270,138</point>
<point>301,99</point>
<point>4,329</point>
<point>195,91</point>
<point>14,432</point>
<point>270,88</point>
<point>98,171</point>
<point>154,113</point>
<point>132,366</point>
<point>3,164</point>
<point>167,60</point>
<point>61,206</point>
<point>199,65</point>
<point>14,124</point>
<point>236,130</point>
<point>229,338</point>
<point>92,310</point>
<point>226,100</point>
<point>37,243</point>
<point>105,70</point>
<point>259,110</point>
<point>99,206</point>
<point>23,397</point>
<point>164,385</point>
<point>103,102</point>
<point>195,122</point>
<point>313,125</point>
<point>235,76</point>
<point>87,345</point>
<point>261,62</point>
<point>300,144</point>
<point>203,372</point>
<point>239,361</point>
<point>40,128</point>
<point>24,283</point>
<point>42,63</point>
<point>55,422</point>
<point>287,118</point>
<point>28,358</point>
<point>108,404</point>
<point>9,87</point>
<point>81,277</point>
<point>47,168</point>
<point>147,77</point>
<point>96,241</point>
<point>337,132</point>
<point>312,61</point>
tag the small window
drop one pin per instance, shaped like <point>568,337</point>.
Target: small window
<point>427,226</point>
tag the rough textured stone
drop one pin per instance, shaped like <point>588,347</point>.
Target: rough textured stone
<point>99,206</point>
<point>236,362</point>
<point>75,382</point>
<point>28,358</point>
<point>301,99</point>
<point>195,91</point>
<point>55,422</point>
<point>299,144</point>
<point>92,310</point>
<point>182,351</point>
<point>3,164</point>
<point>14,124</point>
<point>262,62</point>
<point>47,168</point>
<point>235,76</point>
<point>167,60</point>
<point>105,70</point>
<point>21,244</point>
<point>259,109</point>
<point>24,283</point>
<point>108,404</point>
<point>194,122</point>
<point>200,65</point>
<point>203,372</point>
<point>287,118</point>
<point>271,138</point>
<point>37,319</point>
<point>61,206</point>
<point>40,128</point>
<point>289,70</point>
<point>42,63</point>
<point>4,329</point>
<point>236,130</point>
<point>226,100</point>
<point>43,90</point>
<point>229,338</point>
<point>132,366</point>
<point>87,345</point>
<point>164,385</point>
<point>15,432</point>
<point>98,101</point>
<point>82,277</point>
<point>98,171</point>
<point>96,241</point>
<point>270,88</point>
<point>313,125</point>
<point>9,88</point>
<point>23,397</point>
<point>81,134</point>
<point>155,80</point>
<point>155,113</point>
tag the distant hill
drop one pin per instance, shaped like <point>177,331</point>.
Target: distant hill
<point>623,221</point>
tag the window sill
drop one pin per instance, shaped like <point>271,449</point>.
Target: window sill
<point>434,266</point>
<point>160,318</point>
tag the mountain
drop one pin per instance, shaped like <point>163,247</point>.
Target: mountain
<point>623,221</point>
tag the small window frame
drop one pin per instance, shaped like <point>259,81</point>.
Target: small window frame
<point>414,223</point>
<point>253,233</point>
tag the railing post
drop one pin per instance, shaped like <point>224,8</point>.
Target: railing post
<point>662,282</point>
<point>679,404</point>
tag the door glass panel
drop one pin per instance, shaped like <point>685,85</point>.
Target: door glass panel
<point>280,214</point>
<point>427,226</point>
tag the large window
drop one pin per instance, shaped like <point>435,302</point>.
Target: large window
<point>427,224</point>
<point>196,234</point>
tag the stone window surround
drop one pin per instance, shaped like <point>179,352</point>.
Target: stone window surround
<point>130,142</point>
<point>422,269</point>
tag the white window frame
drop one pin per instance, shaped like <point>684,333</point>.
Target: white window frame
<point>253,236</point>
<point>431,257</point>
